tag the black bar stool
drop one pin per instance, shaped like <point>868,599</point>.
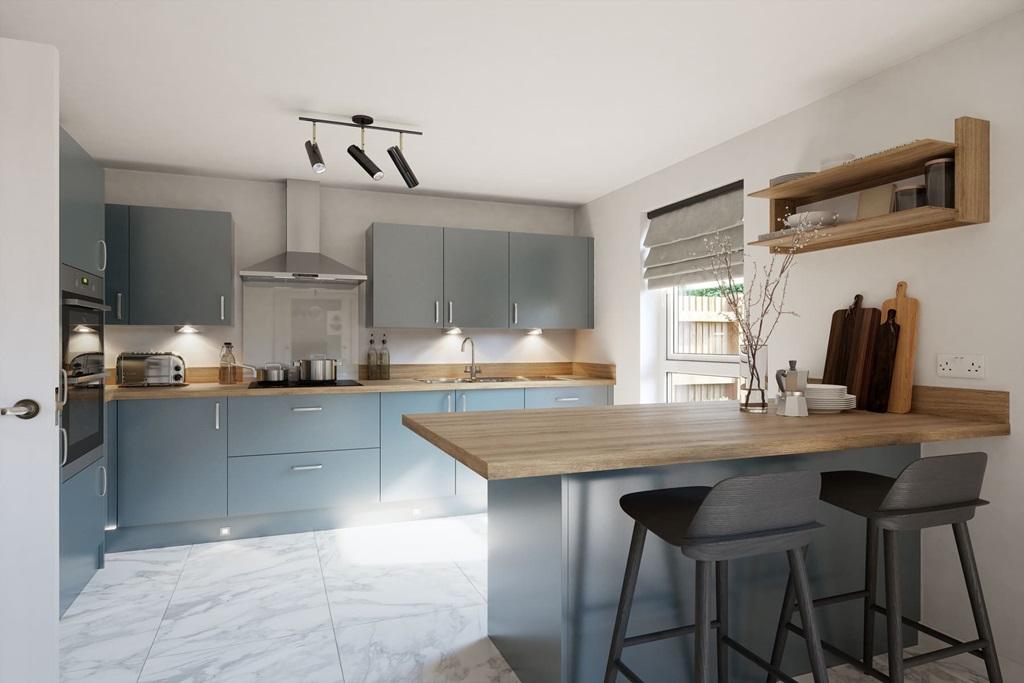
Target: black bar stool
<point>740,517</point>
<point>928,493</point>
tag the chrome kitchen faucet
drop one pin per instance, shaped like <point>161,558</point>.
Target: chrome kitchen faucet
<point>472,369</point>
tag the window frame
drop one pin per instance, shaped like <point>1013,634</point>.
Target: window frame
<point>711,365</point>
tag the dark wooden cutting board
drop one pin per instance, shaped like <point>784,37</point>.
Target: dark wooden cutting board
<point>850,351</point>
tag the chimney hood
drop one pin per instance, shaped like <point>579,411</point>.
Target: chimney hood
<point>303,262</point>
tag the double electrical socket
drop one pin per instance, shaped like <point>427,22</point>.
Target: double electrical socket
<point>961,365</point>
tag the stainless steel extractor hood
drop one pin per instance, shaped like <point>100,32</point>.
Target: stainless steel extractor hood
<point>303,262</point>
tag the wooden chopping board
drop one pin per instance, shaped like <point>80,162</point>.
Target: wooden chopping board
<point>850,349</point>
<point>901,389</point>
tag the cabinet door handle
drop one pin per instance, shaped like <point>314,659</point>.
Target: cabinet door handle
<point>450,317</point>
<point>451,407</point>
<point>62,391</point>
<point>103,245</point>
<point>515,313</point>
<point>120,306</point>
<point>222,307</point>
<point>437,312</point>
<point>103,481</point>
<point>567,399</point>
<point>307,409</point>
<point>463,396</point>
<point>63,446</point>
<point>306,468</point>
<point>216,415</point>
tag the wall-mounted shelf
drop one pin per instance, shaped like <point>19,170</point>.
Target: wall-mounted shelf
<point>971,157</point>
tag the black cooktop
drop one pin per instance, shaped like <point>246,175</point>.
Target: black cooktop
<point>300,383</point>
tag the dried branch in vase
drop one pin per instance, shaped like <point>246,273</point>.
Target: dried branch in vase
<point>758,304</point>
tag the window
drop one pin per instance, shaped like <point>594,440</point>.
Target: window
<point>701,346</point>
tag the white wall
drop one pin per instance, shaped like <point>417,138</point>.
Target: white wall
<point>258,210</point>
<point>967,279</point>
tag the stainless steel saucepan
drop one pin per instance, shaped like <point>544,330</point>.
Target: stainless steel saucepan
<point>317,369</point>
<point>275,372</point>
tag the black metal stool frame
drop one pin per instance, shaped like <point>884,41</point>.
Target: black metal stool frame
<point>934,482</point>
<point>706,533</point>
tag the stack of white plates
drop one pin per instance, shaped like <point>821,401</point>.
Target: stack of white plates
<point>829,398</point>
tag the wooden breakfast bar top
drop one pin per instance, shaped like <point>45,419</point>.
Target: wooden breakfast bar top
<point>517,444</point>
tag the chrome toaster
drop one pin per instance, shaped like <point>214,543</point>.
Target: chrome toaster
<point>150,369</point>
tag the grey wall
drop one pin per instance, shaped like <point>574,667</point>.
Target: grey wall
<point>258,209</point>
<point>966,278</point>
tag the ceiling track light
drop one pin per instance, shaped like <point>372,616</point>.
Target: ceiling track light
<point>358,152</point>
<point>316,159</point>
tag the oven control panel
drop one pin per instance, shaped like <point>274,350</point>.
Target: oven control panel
<point>80,283</point>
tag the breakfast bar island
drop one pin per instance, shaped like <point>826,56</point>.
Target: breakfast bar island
<point>558,539</point>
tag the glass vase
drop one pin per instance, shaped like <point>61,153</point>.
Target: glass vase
<point>753,393</point>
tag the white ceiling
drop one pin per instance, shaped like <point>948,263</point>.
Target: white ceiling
<point>556,102</point>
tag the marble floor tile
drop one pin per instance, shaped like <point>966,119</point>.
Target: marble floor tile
<point>112,672</point>
<point>449,539</point>
<point>306,658</point>
<point>476,572</point>
<point>442,647</point>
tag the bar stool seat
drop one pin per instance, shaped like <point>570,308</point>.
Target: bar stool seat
<point>740,517</point>
<point>929,492</point>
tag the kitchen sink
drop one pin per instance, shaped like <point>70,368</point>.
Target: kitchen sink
<point>484,380</point>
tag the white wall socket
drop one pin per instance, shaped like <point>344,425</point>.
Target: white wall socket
<point>960,365</point>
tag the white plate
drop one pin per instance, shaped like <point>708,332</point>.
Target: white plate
<point>812,219</point>
<point>837,388</point>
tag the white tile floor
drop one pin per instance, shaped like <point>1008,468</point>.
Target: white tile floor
<point>397,603</point>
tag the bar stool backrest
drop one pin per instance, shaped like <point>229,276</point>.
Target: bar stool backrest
<point>941,481</point>
<point>758,503</point>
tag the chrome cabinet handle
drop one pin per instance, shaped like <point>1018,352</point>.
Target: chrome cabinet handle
<point>103,243</point>
<point>567,399</point>
<point>216,415</point>
<point>63,446</point>
<point>62,390</point>
<point>103,490</point>
<point>306,468</point>
<point>437,312</point>
<point>515,313</point>
<point>307,409</point>
<point>120,306</point>
<point>463,397</point>
<point>449,311</point>
<point>222,307</point>
<point>451,407</point>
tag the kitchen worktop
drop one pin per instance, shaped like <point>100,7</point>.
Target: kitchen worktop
<point>369,386</point>
<point>516,444</point>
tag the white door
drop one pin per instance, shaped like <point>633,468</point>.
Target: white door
<point>29,361</point>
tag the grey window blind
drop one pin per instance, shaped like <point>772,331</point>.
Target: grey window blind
<point>677,237</point>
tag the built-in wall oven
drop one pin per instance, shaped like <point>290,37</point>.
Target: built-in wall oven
<point>80,396</point>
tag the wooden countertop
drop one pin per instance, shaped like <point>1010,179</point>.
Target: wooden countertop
<point>211,389</point>
<point>517,444</point>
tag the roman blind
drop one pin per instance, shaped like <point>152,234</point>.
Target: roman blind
<point>677,237</point>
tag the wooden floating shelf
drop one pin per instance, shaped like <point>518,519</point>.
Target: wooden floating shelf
<point>971,168</point>
<point>900,224</point>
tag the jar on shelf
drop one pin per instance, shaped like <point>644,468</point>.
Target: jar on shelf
<point>909,196</point>
<point>939,182</point>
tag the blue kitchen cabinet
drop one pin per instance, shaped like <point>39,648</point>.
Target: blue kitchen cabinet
<point>410,467</point>
<point>405,269</point>
<point>469,484</point>
<point>475,278</point>
<point>568,397</point>
<point>110,446</point>
<point>551,281</point>
<point>172,460</point>
<point>83,510</point>
<point>81,208</point>
<point>262,425</point>
<point>181,266</point>
<point>117,277</point>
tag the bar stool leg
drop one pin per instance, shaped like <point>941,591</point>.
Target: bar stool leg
<point>785,616</point>
<point>893,606</point>
<point>636,550</point>
<point>977,597</point>
<point>702,622</point>
<point>871,586</point>
<point>798,571</point>
<point>722,608</point>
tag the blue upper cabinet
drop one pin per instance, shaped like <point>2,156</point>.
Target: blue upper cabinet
<point>475,278</point>
<point>117,279</point>
<point>182,266</point>
<point>410,467</point>
<point>551,281</point>
<point>81,208</point>
<point>405,268</point>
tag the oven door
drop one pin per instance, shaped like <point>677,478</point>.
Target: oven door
<point>82,360</point>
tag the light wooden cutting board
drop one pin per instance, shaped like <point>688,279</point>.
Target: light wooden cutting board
<point>901,390</point>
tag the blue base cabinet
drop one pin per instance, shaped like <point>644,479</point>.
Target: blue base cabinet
<point>410,467</point>
<point>267,425</point>
<point>172,460</point>
<point>568,397</point>
<point>469,484</point>
<point>83,510</point>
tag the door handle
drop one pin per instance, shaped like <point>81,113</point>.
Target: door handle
<point>307,409</point>
<point>216,415</point>
<point>451,407</point>
<point>103,244</point>
<point>463,396</point>
<point>222,307</point>
<point>120,306</point>
<point>103,489</point>
<point>26,409</point>
<point>437,312</point>
<point>62,390</point>
<point>449,311</point>
<point>515,313</point>
<point>306,468</point>
<point>63,446</point>
<point>567,399</point>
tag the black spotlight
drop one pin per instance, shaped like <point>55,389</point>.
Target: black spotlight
<point>372,169</point>
<point>403,167</point>
<point>316,159</point>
